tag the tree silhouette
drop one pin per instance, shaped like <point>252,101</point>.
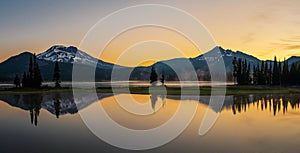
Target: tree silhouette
<point>33,102</point>
<point>285,72</point>
<point>243,79</point>
<point>293,74</point>
<point>239,77</point>
<point>270,75</point>
<point>162,79</point>
<point>242,71</point>
<point>280,72</point>
<point>254,79</point>
<point>30,72</point>
<point>248,79</point>
<point>297,75</point>
<point>56,75</point>
<point>24,80</point>
<point>37,78</point>
<point>235,69</point>
<point>57,106</point>
<point>17,81</point>
<point>266,74</point>
<point>276,73</point>
<point>153,75</point>
<point>262,73</point>
<point>33,78</point>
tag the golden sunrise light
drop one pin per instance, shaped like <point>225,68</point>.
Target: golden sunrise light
<point>259,28</point>
<point>122,76</point>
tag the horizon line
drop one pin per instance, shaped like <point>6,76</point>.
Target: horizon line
<point>219,46</point>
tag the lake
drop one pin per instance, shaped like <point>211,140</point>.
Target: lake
<point>130,83</point>
<point>52,123</point>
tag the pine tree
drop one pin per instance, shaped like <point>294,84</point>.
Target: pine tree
<point>239,72</point>
<point>297,80</point>
<point>29,81</point>
<point>30,73</point>
<point>285,72</point>
<point>293,74</point>
<point>24,80</point>
<point>270,75</point>
<point>297,75</point>
<point>259,75</point>
<point>235,69</point>
<point>254,74</point>
<point>56,75</point>
<point>248,74</point>
<point>266,73</point>
<point>17,81</point>
<point>275,76</point>
<point>257,72</point>
<point>153,75</point>
<point>244,72</point>
<point>262,73</point>
<point>279,72</point>
<point>162,79</point>
<point>37,78</point>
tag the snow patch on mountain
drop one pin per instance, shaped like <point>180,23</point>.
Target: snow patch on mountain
<point>67,55</point>
<point>71,55</point>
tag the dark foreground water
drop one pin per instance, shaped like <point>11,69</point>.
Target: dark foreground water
<point>35,123</point>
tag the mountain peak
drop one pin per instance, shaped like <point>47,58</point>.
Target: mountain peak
<point>57,48</point>
<point>66,55</point>
<point>16,57</point>
<point>71,55</point>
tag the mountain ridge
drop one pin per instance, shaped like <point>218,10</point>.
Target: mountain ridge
<point>67,56</point>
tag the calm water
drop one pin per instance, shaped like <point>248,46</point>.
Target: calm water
<point>247,123</point>
<point>131,83</point>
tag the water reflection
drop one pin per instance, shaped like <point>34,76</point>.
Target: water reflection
<point>57,104</point>
<point>271,103</point>
<point>154,101</point>
<point>246,120</point>
<point>33,103</point>
<point>60,104</point>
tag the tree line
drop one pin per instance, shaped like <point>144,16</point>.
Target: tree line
<point>33,78</point>
<point>265,73</point>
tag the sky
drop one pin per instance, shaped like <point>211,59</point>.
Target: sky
<point>260,28</point>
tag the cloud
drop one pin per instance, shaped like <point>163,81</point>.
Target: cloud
<point>290,47</point>
<point>290,43</point>
<point>290,40</point>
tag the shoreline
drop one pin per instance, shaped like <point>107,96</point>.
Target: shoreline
<point>230,90</point>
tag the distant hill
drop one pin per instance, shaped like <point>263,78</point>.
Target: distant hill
<point>20,64</point>
<point>67,56</point>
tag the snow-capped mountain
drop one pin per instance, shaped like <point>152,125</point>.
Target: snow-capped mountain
<point>218,52</point>
<point>66,55</point>
<point>71,55</point>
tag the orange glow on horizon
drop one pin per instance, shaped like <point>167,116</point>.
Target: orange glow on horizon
<point>145,45</point>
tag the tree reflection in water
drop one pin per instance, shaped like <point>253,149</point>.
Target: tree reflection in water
<point>154,99</point>
<point>272,103</point>
<point>60,104</point>
<point>57,105</point>
<point>33,102</point>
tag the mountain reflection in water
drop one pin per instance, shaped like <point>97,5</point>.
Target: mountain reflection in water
<point>63,103</point>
